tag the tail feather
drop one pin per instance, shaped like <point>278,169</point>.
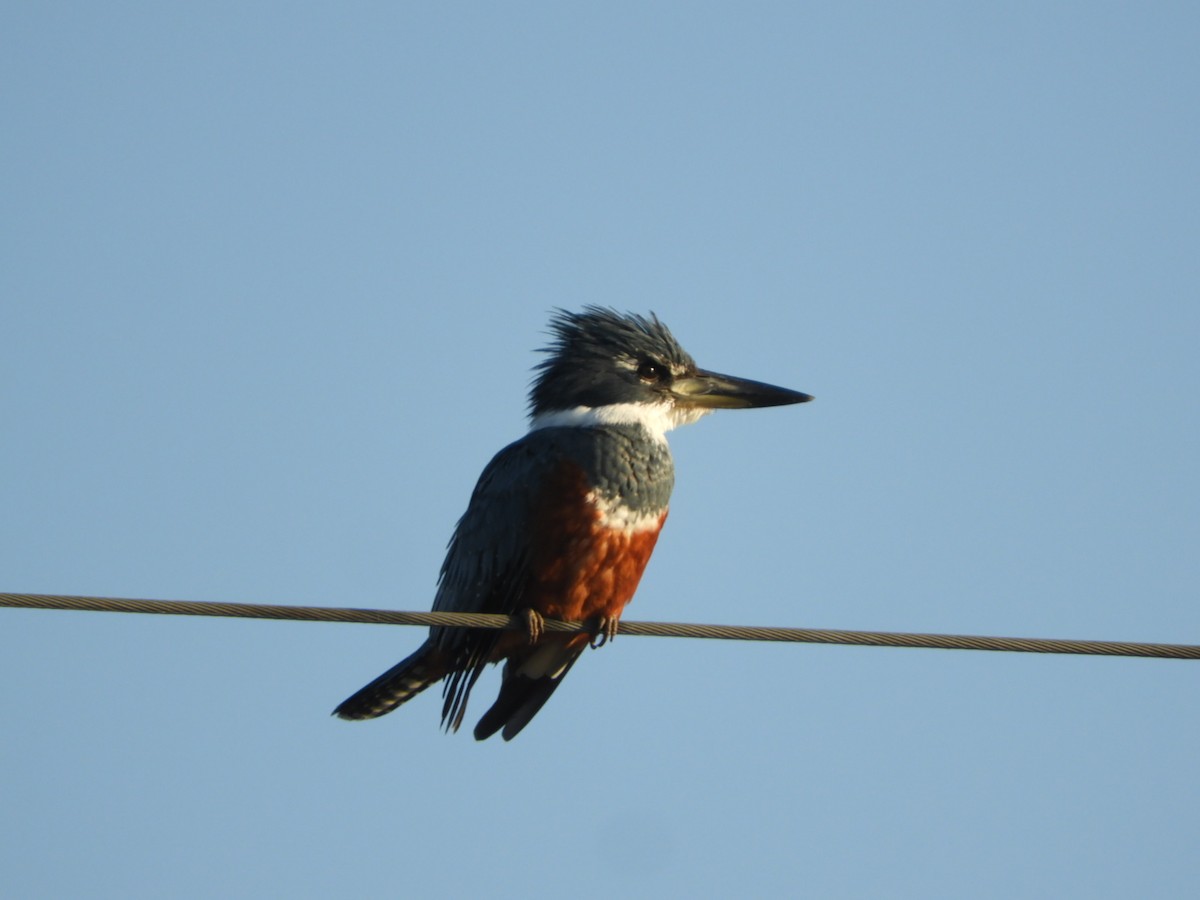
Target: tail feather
<point>397,685</point>
<point>526,688</point>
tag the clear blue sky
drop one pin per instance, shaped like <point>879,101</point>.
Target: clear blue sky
<point>272,280</point>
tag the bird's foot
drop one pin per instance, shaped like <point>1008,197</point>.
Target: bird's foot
<point>535,624</point>
<point>603,630</point>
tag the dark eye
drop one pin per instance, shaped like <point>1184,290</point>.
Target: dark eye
<point>652,370</point>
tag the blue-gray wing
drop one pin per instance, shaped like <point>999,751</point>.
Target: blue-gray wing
<point>487,567</point>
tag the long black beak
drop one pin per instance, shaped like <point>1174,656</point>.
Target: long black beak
<point>709,390</point>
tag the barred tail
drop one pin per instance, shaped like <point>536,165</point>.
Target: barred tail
<point>397,685</point>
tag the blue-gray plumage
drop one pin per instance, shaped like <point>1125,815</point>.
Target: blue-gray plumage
<point>563,521</point>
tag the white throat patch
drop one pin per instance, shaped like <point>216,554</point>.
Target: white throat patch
<point>656,418</point>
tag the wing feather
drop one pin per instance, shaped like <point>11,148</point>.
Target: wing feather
<point>487,567</point>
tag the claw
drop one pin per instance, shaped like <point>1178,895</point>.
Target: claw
<point>604,631</point>
<point>535,624</point>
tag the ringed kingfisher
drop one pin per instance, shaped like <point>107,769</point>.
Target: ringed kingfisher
<point>563,520</point>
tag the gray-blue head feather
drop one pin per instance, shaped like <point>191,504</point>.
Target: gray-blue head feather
<point>599,357</point>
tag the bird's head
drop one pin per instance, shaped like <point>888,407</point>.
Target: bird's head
<point>608,367</point>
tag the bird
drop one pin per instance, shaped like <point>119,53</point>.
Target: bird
<point>563,520</point>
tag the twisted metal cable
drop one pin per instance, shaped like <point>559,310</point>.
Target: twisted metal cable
<point>652,629</point>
